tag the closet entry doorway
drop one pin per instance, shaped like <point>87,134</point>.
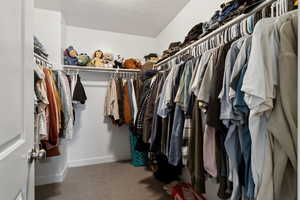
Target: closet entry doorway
<point>16,107</point>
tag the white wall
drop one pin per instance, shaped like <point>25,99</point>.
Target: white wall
<point>95,139</point>
<point>48,29</point>
<point>48,26</point>
<point>193,13</point>
<point>89,40</point>
<point>63,38</point>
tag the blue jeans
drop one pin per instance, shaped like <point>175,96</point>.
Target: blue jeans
<point>175,153</point>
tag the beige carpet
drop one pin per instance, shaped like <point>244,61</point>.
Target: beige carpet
<point>113,181</point>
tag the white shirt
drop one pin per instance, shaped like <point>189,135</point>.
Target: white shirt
<point>259,87</point>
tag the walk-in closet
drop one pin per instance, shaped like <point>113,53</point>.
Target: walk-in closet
<point>149,100</point>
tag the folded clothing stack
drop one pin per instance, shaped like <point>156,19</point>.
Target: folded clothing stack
<point>193,35</point>
<point>174,47</point>
<point>39,48</point>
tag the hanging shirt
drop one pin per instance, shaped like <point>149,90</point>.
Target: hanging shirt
<point>134,102</point>
<point>66,98</point>
<point>139,125</point>
<point>183,96</point>
<point>205,87</point>
<point>79,92</point>
<point>279,180</point>
<point>51,145</point>
<point>111,106</point>
<point>128,114</point>
<point>166,98</point>
<point>229,119</point>
<point>259,87</point>
<point>150,108</point>
<point>42,104</point>
<point>209,151</point>
<point>196,84</point>
<point>241,109</point>
<point>73,82</point>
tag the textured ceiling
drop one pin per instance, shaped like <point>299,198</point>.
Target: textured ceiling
<point>139,17</point>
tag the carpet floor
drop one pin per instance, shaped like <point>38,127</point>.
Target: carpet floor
<point>112,181</point>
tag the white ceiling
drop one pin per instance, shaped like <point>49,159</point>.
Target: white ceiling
<point>139,17</point>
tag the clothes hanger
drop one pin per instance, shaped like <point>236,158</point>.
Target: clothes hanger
<point>226,35</point>
<point>200,48</point>
<point>277,8</point>
<point>236,30</point>
<point>230,33</point>
<point>136,76</point>
<point>263,12</point>
<point>207,45</point>
<point>284,6</point>
<point>195,50</point>
<point>203,46</point>
<point>217,40</point>
<point>241,29</point>
<point>233,31</point>
<point>248,25</point>
<point>128,75</point>
<point>273,9</point>
<point>222,38</point>
<point>245,27</point>
<point>216,43</point>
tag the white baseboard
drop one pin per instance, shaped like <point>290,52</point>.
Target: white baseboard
<point>98,160</point>
<point>60,177</point>
<point>56,178</point>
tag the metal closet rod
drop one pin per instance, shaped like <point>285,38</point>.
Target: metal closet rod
<point>103,70</point>
<point>220,29</point>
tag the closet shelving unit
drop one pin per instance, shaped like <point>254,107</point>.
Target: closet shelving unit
<point>95,69</point>
<point>42,60</point>
<point>217,31</point>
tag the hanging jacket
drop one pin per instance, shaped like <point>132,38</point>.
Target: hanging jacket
<point>128,115</point>
<point>79,92</point>
<point>51,145</point>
